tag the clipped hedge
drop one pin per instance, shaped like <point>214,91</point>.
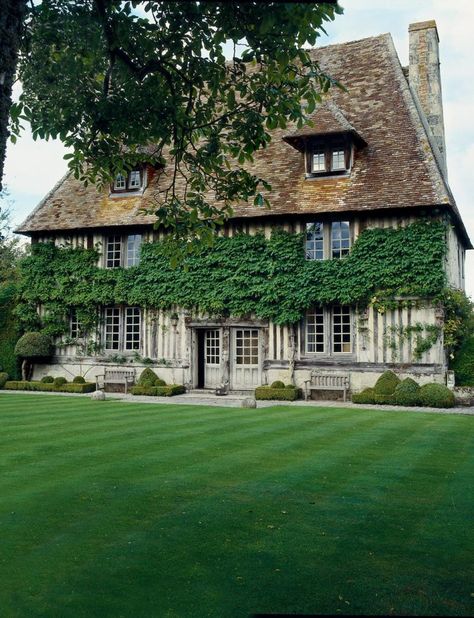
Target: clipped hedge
<point>34,345</point>
<point>79,380</point>
<point>436,396</point>
<point>387,383</point>
<point>19,385</point>
<point>59,381</point>
<point>47,379</point>
<point>158,391</point>
<point>407,393</point>
<point>463,363</point>
<point>283,394</point>
<point>3,378</point>
<point>149,378</point>
<point>277,384</point>
<point>365,396</point>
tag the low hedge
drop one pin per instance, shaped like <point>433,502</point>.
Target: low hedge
<point>283,394</point>
<point>3,378</point>
<point>365,396</point>
<point>407,393</point>
<point>18,385</point>
<point>158,391</point>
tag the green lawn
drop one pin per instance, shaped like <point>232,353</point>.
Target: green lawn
<point>116,509</point>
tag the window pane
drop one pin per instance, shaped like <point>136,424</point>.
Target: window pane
<point>213,344</point>
<point>315,331</point>
<point>338,160</point>
<point>113,251</point>
<point>75,329</point>
<point>246,347</point>
<point>134,242</point>
<point>318,163</point>
<point>132,328</point>
<point>314,241</point>
<point>112,328</point>
<point>134,180</point>
<point>342,335</point>
<point>340,239</point>
<point>120,182</point>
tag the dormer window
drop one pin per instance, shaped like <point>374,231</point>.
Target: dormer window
<point>133,181</point>
<point>328,159</point>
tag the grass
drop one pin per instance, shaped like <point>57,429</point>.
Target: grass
<point>116,509</point>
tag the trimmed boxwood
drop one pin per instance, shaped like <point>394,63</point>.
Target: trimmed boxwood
<point>407,393</point>
<point>78,380</point>
<point>275,394</point>
<point>19,385</point>
<point>3,378</point>
<point>59,381</point>
<point>367,396</point>
<point>158,391</point>
<point>47,379</point>
<point>436,396</point>
<point>277,384</point>
<point>387,383</point>
<point>149,378</point>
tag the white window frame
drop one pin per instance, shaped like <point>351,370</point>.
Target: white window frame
<point>75,326</point>
<point>331,318</point>
<point>113,251</point>
<point>329,159</point>
<point>127,183</point>
<point>322,248</point>
<point>120,182</point>
<point>134,243</point>
<point>127,247</point>
<point>122,324</point>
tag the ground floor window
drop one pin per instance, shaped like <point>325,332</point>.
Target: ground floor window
<point>328,330</point>
<point>122,328</point>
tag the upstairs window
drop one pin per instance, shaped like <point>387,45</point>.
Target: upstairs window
<point>328,159</point>
<point>122,251</point>
<point>133,181</point>
<point>331,240</point>
<point>75,326</point>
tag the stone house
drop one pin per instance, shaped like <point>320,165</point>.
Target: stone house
<point>374,159</point>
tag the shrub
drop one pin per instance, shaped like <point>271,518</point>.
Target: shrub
<point>47,379</point>
<point>34,345</point>
<point>384,399</point>
<point>436,396</point>
<point>59,381</point>
<point>463,363</point>
<point>275,394</point>
<point>3,378</point>
<point>79,380</point>
<point>20,385</point>
<point>158,391</point>
<point>147,378</point>
<point>290,386</point>
<point>277,384</point>
<point>407,393</point>
<point>386,384</point>
<point>159,382</point>
<point>365,396</point>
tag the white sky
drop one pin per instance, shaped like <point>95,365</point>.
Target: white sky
<point>32,168</point>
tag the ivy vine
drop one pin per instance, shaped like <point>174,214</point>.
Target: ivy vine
<point>237,276</point>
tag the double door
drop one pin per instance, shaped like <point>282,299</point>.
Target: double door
<point>244,358</point>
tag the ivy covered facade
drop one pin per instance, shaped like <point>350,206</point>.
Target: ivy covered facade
<point>349,271</point>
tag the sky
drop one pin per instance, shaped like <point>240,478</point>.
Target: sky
<point>32,168</point>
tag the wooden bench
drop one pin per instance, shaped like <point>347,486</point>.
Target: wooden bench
<point>327,382</point>
<point>116,376</point>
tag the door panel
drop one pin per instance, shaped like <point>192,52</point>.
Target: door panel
<point>212,358</point>
<point>245,358</point>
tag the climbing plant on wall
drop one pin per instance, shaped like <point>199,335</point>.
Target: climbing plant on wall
<point>239,275</point>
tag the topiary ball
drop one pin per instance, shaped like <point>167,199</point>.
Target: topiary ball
<point>47,379</point>
<point>407,393</point>
<point>367,396</point>
<point>277,384</point>
<point>147,378</point>
<point>436,396</point>
<point>159,382</point>
<point>79,380</point>
<point>59,381</point>
<point>3,378</point>
<point>387,383</point>
<point>34,345</point>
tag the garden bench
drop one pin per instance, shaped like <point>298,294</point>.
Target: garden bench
<point>327,382</point>
<point>116,376</point>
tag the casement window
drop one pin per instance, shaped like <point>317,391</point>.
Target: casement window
<point>328,159</point>
<point>331,240</point>
<point>122,250</point>
<point>133,181</point>
<point>75,327</point>
<point>328,331</point>
<point>122,328</point>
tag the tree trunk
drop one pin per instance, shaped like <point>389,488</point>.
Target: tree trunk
<point>24,370</point>
<point>12,14</point>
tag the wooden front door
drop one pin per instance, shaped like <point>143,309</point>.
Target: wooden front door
<point>245,358</point>
<point>212,358</point>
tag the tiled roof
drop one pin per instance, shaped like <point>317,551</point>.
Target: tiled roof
<point>397,168</point>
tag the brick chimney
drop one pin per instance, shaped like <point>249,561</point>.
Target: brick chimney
<point>425,80</point>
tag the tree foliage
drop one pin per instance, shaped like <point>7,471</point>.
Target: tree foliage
<point>130,83</point>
